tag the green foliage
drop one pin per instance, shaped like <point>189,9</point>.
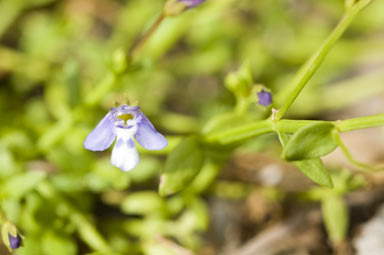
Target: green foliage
<point>182,165</point>
<point>310,142</point>
<point>314,168</point>
<point>56,243</point>
<point>336,217</point>
<point>143,203</point>
<point>19,185</point>
<point>196,76</point>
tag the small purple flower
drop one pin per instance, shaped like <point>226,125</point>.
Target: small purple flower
<point>265,98</point>
<point>123,124</point>
<point>192,3</point>
<point>14,241</point>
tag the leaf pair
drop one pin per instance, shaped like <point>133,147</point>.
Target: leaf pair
<point>306,147</point>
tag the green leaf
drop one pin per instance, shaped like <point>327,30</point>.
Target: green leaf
<point>181,167</point>
<point>336,217</point>
<point>31,245</point>
<point>56,243</point>
<point>314,169</point>
<point>310,141</point>
<point>19,185</point>
<point>144,202</point>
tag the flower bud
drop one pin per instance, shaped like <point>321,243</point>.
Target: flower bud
<point>240,81</point>
<point>11,236</point>
<point>14,241</point>
<point>119,61</point>
<point>264,97</point>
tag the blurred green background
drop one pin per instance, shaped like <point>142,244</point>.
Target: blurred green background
<point>59,74</point>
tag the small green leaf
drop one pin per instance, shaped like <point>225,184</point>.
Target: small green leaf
<point>57,243</point>
<point>315,170</point>
<point>336,217</point>
<point>182,165</point>
<point>144,202</point>
<point>31,245</point>
<point>311,141</point>
<point>19,185</point>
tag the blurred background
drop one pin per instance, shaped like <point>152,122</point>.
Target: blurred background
<point>60,72</point>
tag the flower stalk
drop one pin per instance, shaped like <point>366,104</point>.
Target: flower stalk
<point>141,42</point>
<point>257,128</point>
<point>306,72</point>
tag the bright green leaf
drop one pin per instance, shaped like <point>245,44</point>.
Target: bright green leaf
<point>145,202</point>
<point>17,186</point>
<point>315,170</point>
<point>182,165</point>
<point>54,243</point>
<point>336,217</point>
<point>311,141</point>
<point>31,245</point>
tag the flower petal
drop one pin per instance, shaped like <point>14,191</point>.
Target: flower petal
<point>124,153</point>
<point>102,136</point>
<point>147,136</point>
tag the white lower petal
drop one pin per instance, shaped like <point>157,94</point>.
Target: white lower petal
<point>124,153</point>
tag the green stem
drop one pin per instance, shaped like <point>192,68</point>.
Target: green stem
<point>349,156</point>
<point>309,68</point>
<point>241,133</point>
<point>360,122</point>
<point>136,48</point>
<point>289,126</point>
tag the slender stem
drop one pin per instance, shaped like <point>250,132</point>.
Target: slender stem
<point>289,126</point>
<point>349,156</point>
<point>137,46</point>
<point>360,123</point>
<point>309,68</point>
<point>241,133</point>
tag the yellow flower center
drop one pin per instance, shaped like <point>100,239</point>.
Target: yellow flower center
<point>125,117</point>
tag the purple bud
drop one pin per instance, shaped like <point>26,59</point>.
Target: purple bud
<point>192,3</point>
<point>14,242</point>
<point>265,98</point>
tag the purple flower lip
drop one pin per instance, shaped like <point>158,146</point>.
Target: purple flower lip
<point>14,241</point>
<point>111,128</point>
<point>265,98</point>
<point>192,3</point>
